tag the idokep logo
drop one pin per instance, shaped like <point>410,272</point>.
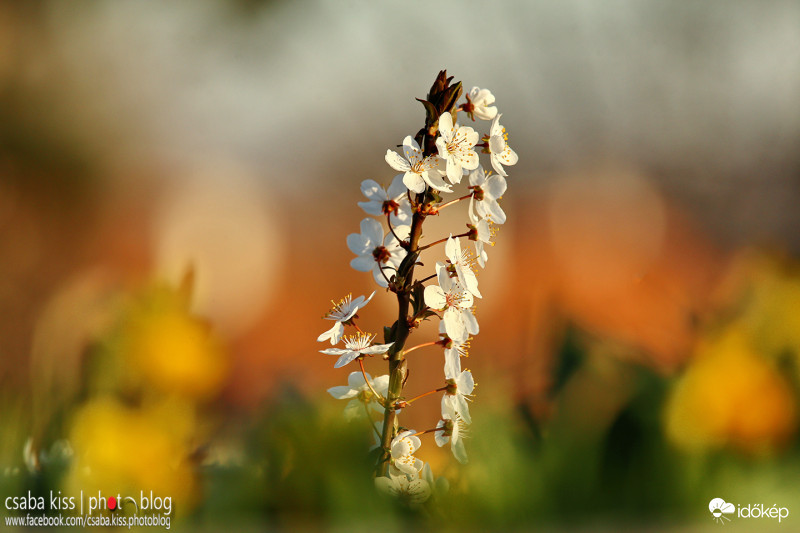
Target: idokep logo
<point>719,508</point>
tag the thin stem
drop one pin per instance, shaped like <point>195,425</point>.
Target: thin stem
<point>366,380</point>
<point>434,243</point>
<point>389,222</point>
<point>451,202</point>
<point>385,276</point>
<point>423,280</point>
<point>418,433</point>
<point>398,370</point>
<point>434,391</point>
<point>418,346</point>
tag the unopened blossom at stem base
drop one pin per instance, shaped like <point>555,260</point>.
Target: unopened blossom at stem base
<point>360,394</point>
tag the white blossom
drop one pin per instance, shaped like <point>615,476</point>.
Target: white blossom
<point>392,201</point>
<point>360,394</point>
<point>414,491</point>
<point>501,153</point>
<point>356,346</point>
<point>419,171</point>
<point>480,100</point>
<point>451,429</point>
<point>453,352</point>
<point>376,253</point>
<point>455,301</point>
<point>460,385</point>
<point>485,193</point>
<point>438,485</point>
<point>481,233</point>
<point>460,266</point>
<point>402,450</point>
<point>455,145</point>
<point>341,313</point>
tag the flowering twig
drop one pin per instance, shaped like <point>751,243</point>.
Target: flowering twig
<point>431,163</point>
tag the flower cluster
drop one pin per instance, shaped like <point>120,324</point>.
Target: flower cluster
<point>431,164</point>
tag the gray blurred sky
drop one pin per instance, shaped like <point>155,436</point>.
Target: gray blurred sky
<point>703,95</point>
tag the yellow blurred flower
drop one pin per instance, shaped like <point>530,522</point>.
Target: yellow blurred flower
<point>124,450</point>
<point>172,349</point>
<point>772,314</point>
<point>731,396</point>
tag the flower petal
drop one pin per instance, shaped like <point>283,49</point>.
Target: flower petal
<point>373,207</point>
<point>465,382</point>
<point>439,436</point>
<point>381,384</point>
<point>353,410</point>
<point>469,160</point>
<point>433,179</point>
<point>411,150</point>
<point>362,263</point>
<point>452,363</point>
<point>358,243</point>
<point>509,156</point>
<point>396,161</point>
<point>334,351</point>
<point>397,189</point>
<point>370,189</point>
<point>462,408</point>
<point>495,212</point>
<point>495,186</point>
<point>373,231</point>
<point>345,359</point>
<point>435,297</point>
<point>470,322</point>
<point>454,172</point>
<point>452,249</point>
<point>497,165</point>
<point>378,276</point>
<point>342,392</point>
<point>334,334</point>
<point>459,451</point>
<point>454,325</point>
<point>414,182</point>
<point>356,380</point>
<point>470,281</point>
<point>377,349</point>
<point>477,177</point>
<point>446,126</point>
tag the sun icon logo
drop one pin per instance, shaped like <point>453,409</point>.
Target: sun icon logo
<point>719,508</point>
